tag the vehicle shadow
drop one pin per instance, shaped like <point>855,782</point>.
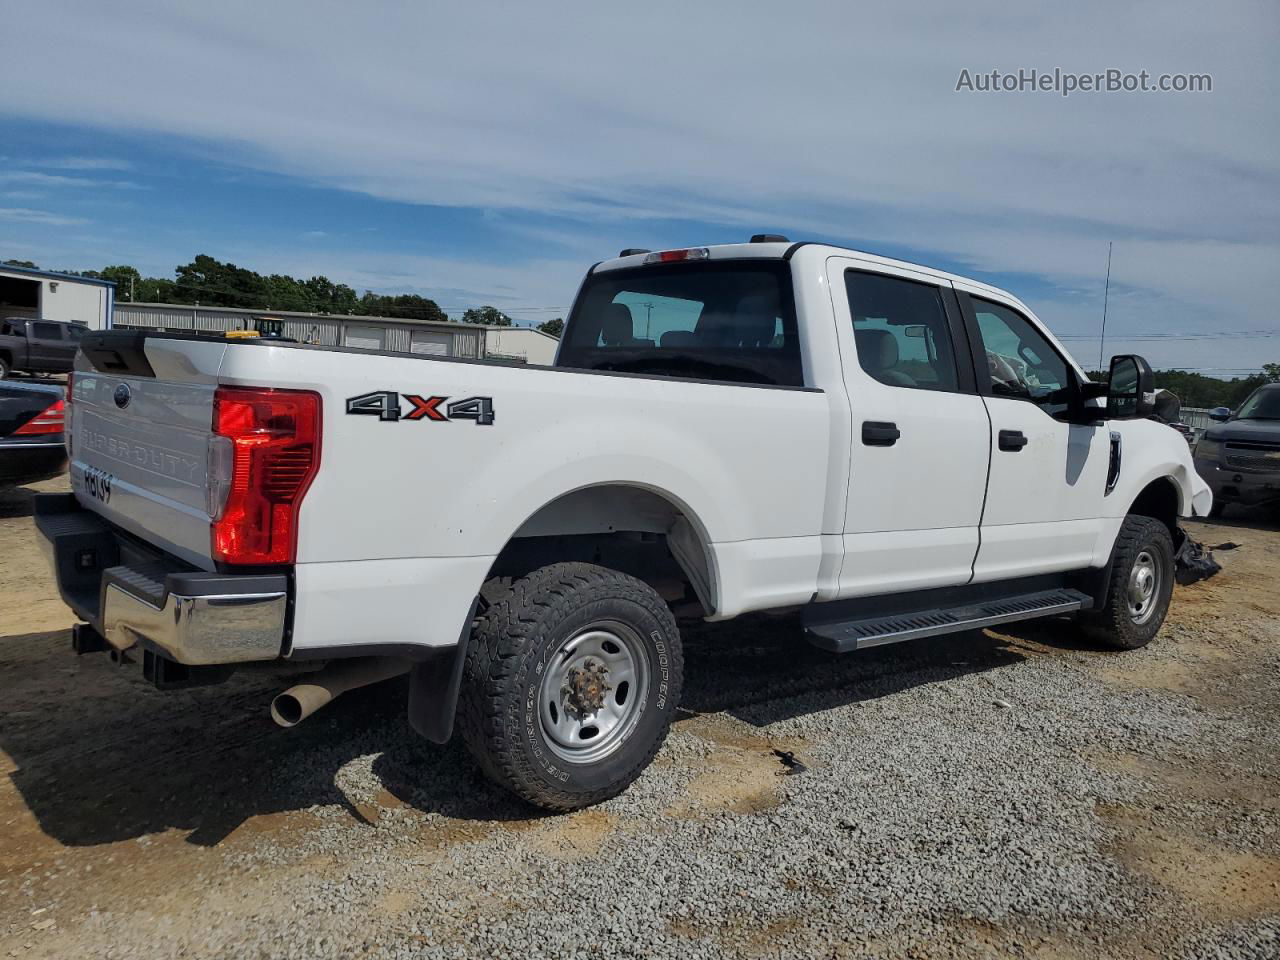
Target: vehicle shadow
<point>1262,518</point>
<point>99,756</point>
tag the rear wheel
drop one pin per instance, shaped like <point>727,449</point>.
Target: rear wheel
<point>1141,585</point>
<point>572,677</point>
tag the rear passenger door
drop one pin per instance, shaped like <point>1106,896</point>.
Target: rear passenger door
<point>46,346</point>
<point>921,437</point>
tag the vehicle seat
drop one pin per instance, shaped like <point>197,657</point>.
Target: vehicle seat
<point>679,338</point>
<point>618,329</point>
<point>878,353</point>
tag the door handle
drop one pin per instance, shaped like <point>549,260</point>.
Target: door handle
<point>1012,440</point>
<point>879,434</point>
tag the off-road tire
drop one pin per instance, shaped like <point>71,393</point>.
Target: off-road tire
<point>5,368</point>
<point>523,625</point>
<point>1113,624</point>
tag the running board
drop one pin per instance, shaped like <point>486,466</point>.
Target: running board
<point>844,636</point>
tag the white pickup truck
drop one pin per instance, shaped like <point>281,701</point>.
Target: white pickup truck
<point>894,451</point>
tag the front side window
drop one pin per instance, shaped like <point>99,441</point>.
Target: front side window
<point>900,331</point>
<point>1020,360</point>
<point>727,320</point>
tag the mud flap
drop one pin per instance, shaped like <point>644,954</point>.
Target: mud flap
<point>434,685</point>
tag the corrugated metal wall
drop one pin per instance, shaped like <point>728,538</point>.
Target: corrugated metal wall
<point>465,340</point>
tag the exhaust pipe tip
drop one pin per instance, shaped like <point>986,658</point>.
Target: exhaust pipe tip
<point>287,710</point>
<point>290,707</point>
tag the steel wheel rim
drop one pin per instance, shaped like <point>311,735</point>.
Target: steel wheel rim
<point>575,729</point>
<point>1145,583</point>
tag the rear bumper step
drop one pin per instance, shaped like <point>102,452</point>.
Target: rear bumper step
<point>191,617</point>
<point>844,636</point>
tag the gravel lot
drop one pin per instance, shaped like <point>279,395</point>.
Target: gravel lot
<point>994,794</point>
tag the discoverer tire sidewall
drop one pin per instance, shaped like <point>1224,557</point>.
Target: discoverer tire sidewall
<point>510,651</point>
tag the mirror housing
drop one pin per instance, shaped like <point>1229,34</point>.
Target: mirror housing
<point>1220,414</point>
<point>1131,388</point>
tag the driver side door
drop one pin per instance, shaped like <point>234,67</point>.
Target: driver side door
<point>1048,477</point>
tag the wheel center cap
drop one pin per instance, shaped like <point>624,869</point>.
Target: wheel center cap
<point>587,686</point>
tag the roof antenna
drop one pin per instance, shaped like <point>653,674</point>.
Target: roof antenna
<point>1106,290</point>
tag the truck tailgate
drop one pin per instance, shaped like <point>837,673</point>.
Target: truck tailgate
<point>141,422</point>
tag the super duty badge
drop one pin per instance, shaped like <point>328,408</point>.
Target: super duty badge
<point>385,405</point>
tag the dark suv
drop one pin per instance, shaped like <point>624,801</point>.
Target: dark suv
<point>1239,457</point>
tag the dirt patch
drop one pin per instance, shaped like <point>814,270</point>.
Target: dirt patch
<point>574,836</point>
<point>1220,883</point>
<point>743,774</point>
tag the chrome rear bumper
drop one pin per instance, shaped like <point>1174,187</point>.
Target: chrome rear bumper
<point>136,598</point>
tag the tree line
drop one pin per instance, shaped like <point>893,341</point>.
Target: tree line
<point>209,282</point>
<point>1204,392</point>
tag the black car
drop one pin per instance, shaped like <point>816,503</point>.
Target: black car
<point>1239,457</point>
<point>31,423</point>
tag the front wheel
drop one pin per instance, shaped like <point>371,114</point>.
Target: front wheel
<point>5,368</point>
<point>572,678</point>
<point>1141,585</point>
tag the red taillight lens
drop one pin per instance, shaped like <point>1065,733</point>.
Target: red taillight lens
<point>50,420</point>
<point>274,454</point>
<point>673,256</point>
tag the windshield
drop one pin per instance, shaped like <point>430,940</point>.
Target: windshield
<point>1263,404</point>
<point>730,320</point>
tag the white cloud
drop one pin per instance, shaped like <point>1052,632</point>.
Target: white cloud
<point>85,163</point>
<point>44,217</point>
<point>815,116</point>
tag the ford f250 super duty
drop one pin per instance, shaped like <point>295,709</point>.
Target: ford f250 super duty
<point>893,451</point>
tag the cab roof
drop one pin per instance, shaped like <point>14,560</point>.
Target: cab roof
<point>788,250</point>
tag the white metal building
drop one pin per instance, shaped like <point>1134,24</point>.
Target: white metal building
<point>55,296</point>
<point>522,343</point>
<point>333,330</point>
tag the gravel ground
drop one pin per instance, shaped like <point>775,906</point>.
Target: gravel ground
<point>993,794</point>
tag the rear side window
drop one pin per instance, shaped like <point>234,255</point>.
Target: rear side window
<point>46,331</point>
<point>75,332</point>
<point>900,331</point>
<point>728,320</point>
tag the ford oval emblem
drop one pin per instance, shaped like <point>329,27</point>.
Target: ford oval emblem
<point>123,395</point>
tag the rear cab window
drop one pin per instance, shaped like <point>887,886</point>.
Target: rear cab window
<point>728,320</point>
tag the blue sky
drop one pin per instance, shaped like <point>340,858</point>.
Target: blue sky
<point>490,154</point>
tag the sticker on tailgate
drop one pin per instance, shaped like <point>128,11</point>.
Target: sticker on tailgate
<point>97,484</point>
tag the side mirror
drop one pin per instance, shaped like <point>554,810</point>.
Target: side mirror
<point>1131,388</point>
<point>1220,414</point>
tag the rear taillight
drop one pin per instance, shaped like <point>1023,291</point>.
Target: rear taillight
<point>49,420</point>
<point>263,456</point>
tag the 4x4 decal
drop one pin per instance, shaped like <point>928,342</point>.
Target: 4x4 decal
<point>385,405</point>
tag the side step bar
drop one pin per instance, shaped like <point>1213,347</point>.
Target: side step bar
<point>844,636</point>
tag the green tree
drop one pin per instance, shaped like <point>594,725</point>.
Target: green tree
<point>21,263</point>
<point>490,316</point>
<point>407,306</point>
<point>552,327</point>
<point>126,279</point>
<point>209,281</point>
<point>155,290</point>
<point>1272,372</point>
